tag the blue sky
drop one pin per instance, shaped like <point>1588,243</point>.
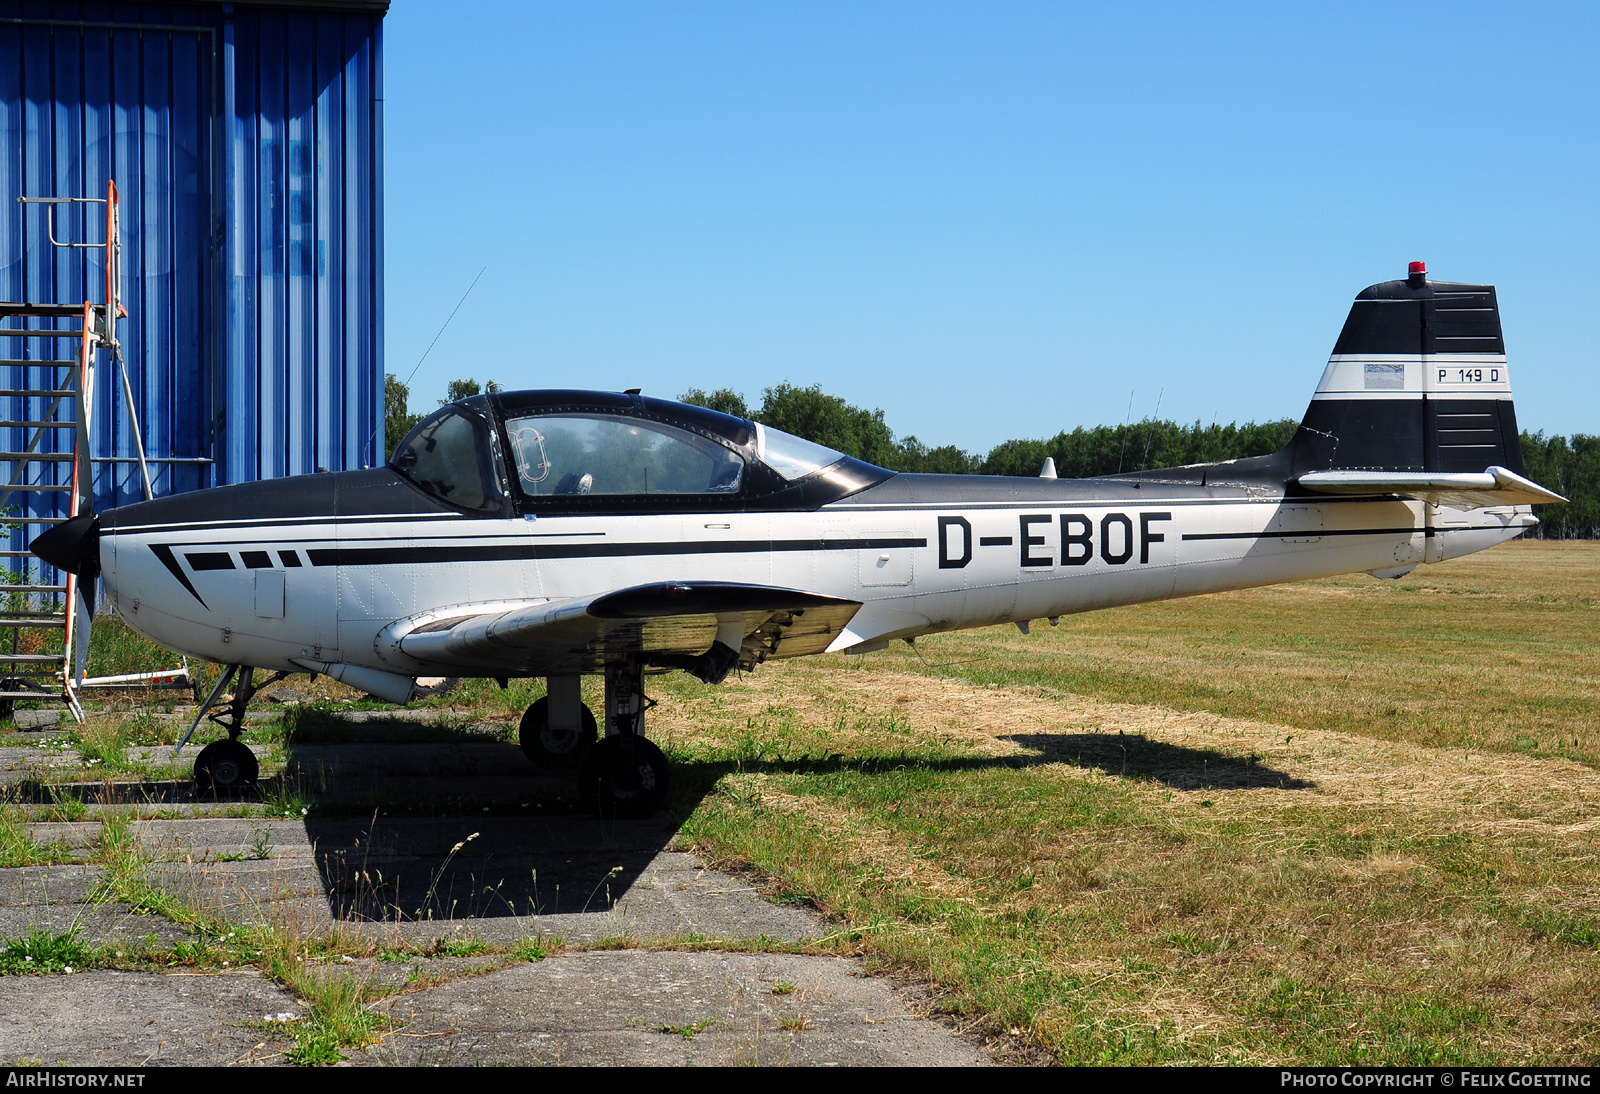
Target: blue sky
<point>992,221</point>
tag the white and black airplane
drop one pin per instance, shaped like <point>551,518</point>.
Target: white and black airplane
<point>561,533</point>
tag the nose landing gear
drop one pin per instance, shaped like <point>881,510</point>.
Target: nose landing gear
<point>227,768</point>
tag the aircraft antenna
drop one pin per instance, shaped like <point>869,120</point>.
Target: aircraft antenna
<point>446,323</point>
<point>367,449</point>
<point>1150,434</point>
<point>1126,419</point>
<point>912,642</point>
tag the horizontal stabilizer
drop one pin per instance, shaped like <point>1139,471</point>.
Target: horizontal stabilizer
<point>1496,486</point>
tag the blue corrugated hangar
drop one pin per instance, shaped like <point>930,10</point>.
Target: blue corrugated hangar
<point>236,152</point>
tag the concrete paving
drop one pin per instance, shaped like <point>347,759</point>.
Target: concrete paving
<point>570,878</point>
<point>447,901</point>
<point>73,898</point>
<point>667,1008</point>
<point>108,1018</point>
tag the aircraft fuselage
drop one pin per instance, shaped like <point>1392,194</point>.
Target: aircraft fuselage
<point>281,592</point>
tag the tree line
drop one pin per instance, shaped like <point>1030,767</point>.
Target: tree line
<point>1571,467</point>
<point>1568,465</point>
<point>1084,452</point>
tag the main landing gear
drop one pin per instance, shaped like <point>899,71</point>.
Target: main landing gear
<point>227,768</point>
<point>619,775</point>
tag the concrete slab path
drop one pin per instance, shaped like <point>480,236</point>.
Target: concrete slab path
<point>453,906</point>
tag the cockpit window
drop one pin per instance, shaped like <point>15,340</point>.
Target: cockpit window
<point>569,454</point>
<point>448,455</point>
<point>790,456</point>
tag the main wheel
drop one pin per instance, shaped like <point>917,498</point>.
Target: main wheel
<point>225,767</point>
<point>625,775</point>
<point>555,750</point>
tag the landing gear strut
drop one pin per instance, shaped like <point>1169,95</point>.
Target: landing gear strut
<point>558,731</point>
<point>625,775</point>
<point>621,774</point>
<point>228,767</point>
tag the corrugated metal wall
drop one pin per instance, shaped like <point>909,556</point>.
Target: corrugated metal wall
<point>247,145</point>
<point>304,265</point>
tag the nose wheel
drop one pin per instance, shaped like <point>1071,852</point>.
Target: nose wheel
<point>225,768</point>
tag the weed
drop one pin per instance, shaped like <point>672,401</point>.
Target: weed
<point>794,1023</point>
<point>65,806</point>
<point>426,911</point>
<point>603,883</point>
<point>261,849</point>
<point>99,749</point>
<point>339,1004</point>
<point>457,947</point>
<point>533,949</point>
<point>283,797</point>
<point>339,1019</point>
<point>782,987</point>
<point>43,951</point>
<point>19,848</point>
<point>690,1031</point>
<point>118,852</point>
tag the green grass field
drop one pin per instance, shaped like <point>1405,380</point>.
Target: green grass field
<point>1347,821</point>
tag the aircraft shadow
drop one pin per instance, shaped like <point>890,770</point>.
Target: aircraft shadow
<point>1135,756</point>
<point>563,862</point>
<point>407,829</point>
<point>455,868</point>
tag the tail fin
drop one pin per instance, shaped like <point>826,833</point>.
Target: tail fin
<point>1416,400</point>
<point>1417,382</point>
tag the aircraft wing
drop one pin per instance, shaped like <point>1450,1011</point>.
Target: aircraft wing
<point>1496,486</point>
<point>674,621</point>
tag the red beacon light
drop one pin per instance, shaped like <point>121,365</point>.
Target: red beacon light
<point>1417,274</point>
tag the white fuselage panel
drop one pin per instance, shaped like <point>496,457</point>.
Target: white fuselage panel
<point>271,595</point>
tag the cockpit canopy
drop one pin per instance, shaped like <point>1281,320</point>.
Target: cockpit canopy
<point>449,454</point>
<point>589,452</point>
<point>562,454</point>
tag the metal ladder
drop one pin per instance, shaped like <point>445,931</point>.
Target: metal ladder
<point>49,482</point>
<point>38,477</point>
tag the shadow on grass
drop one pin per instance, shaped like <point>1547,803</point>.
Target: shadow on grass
<point>389,868</point>
<point>1135,756</point>
<point>1131,755</point>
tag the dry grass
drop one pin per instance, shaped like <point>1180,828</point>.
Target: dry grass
<point>1494,651</point>
<point>1094,841</point>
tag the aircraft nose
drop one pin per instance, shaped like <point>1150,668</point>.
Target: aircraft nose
<point>72,545</point>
